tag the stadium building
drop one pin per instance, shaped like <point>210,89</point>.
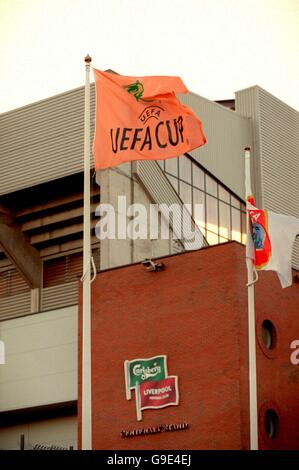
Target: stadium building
<point>193,310</point>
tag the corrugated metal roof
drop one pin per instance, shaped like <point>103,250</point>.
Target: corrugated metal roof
<point>43,141</point>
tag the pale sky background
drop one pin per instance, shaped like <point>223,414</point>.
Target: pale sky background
<point>216,46</point>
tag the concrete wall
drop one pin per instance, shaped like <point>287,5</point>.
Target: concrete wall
<point>41,359</point>
<point>121,182</point>
<point>56,432</point>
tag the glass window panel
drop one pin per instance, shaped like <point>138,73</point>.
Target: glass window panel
<point>211,186</point>
<point>174,182</point>
<point>224,220</point>
<point>235,202</point>
<point>185,169</point>
<point>222,240</point>
<point>223,194</point>
<point>199,207</point>
<point>171,166</point>
<point>212,215</point>
<point>198,177</point>
<point>185,193</point>
<point>212,238</point>
<point>236,225</point>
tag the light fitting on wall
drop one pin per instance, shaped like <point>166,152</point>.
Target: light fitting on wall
<point>152,265</point>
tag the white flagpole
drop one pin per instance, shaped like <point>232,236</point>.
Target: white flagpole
<point>86,340</point>
<point>251,322</point>
<point>127,380</point>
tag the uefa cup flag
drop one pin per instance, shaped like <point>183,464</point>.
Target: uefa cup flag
<point>140,118</point>
<point>142,370</point>
<point>159,394</point>
<point>273,239</point>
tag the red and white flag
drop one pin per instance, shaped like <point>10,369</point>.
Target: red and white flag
<point>273,240</point>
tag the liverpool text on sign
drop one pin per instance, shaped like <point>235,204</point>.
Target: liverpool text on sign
<point>158,394</point>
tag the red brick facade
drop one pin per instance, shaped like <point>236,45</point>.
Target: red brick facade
<point>195,312</point>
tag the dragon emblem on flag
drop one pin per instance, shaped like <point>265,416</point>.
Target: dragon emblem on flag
<point>136,89</point>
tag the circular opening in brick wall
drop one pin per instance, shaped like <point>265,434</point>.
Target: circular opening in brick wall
<point>271,423</point>
<point>268,334</point>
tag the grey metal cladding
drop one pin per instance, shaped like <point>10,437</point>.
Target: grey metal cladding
<point>59,296</point>
<point>14,306</point>
<point>44,140</point>
<point>279,128</point>
<point>227,134</point>
<point>276,134</point>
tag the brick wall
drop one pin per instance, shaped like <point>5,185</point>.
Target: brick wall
<point>195,312</point>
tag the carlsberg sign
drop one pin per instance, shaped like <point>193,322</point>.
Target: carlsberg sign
<point>138,371</point>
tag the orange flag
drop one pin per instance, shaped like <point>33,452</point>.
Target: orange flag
<point>140,118</point>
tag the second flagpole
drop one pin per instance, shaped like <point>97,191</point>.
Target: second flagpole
<point>86,321</point>
<point>251,322</point>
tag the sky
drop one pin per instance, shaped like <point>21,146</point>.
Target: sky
<point>216,46</point>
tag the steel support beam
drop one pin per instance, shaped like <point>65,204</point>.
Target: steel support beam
<point>17,248</point>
